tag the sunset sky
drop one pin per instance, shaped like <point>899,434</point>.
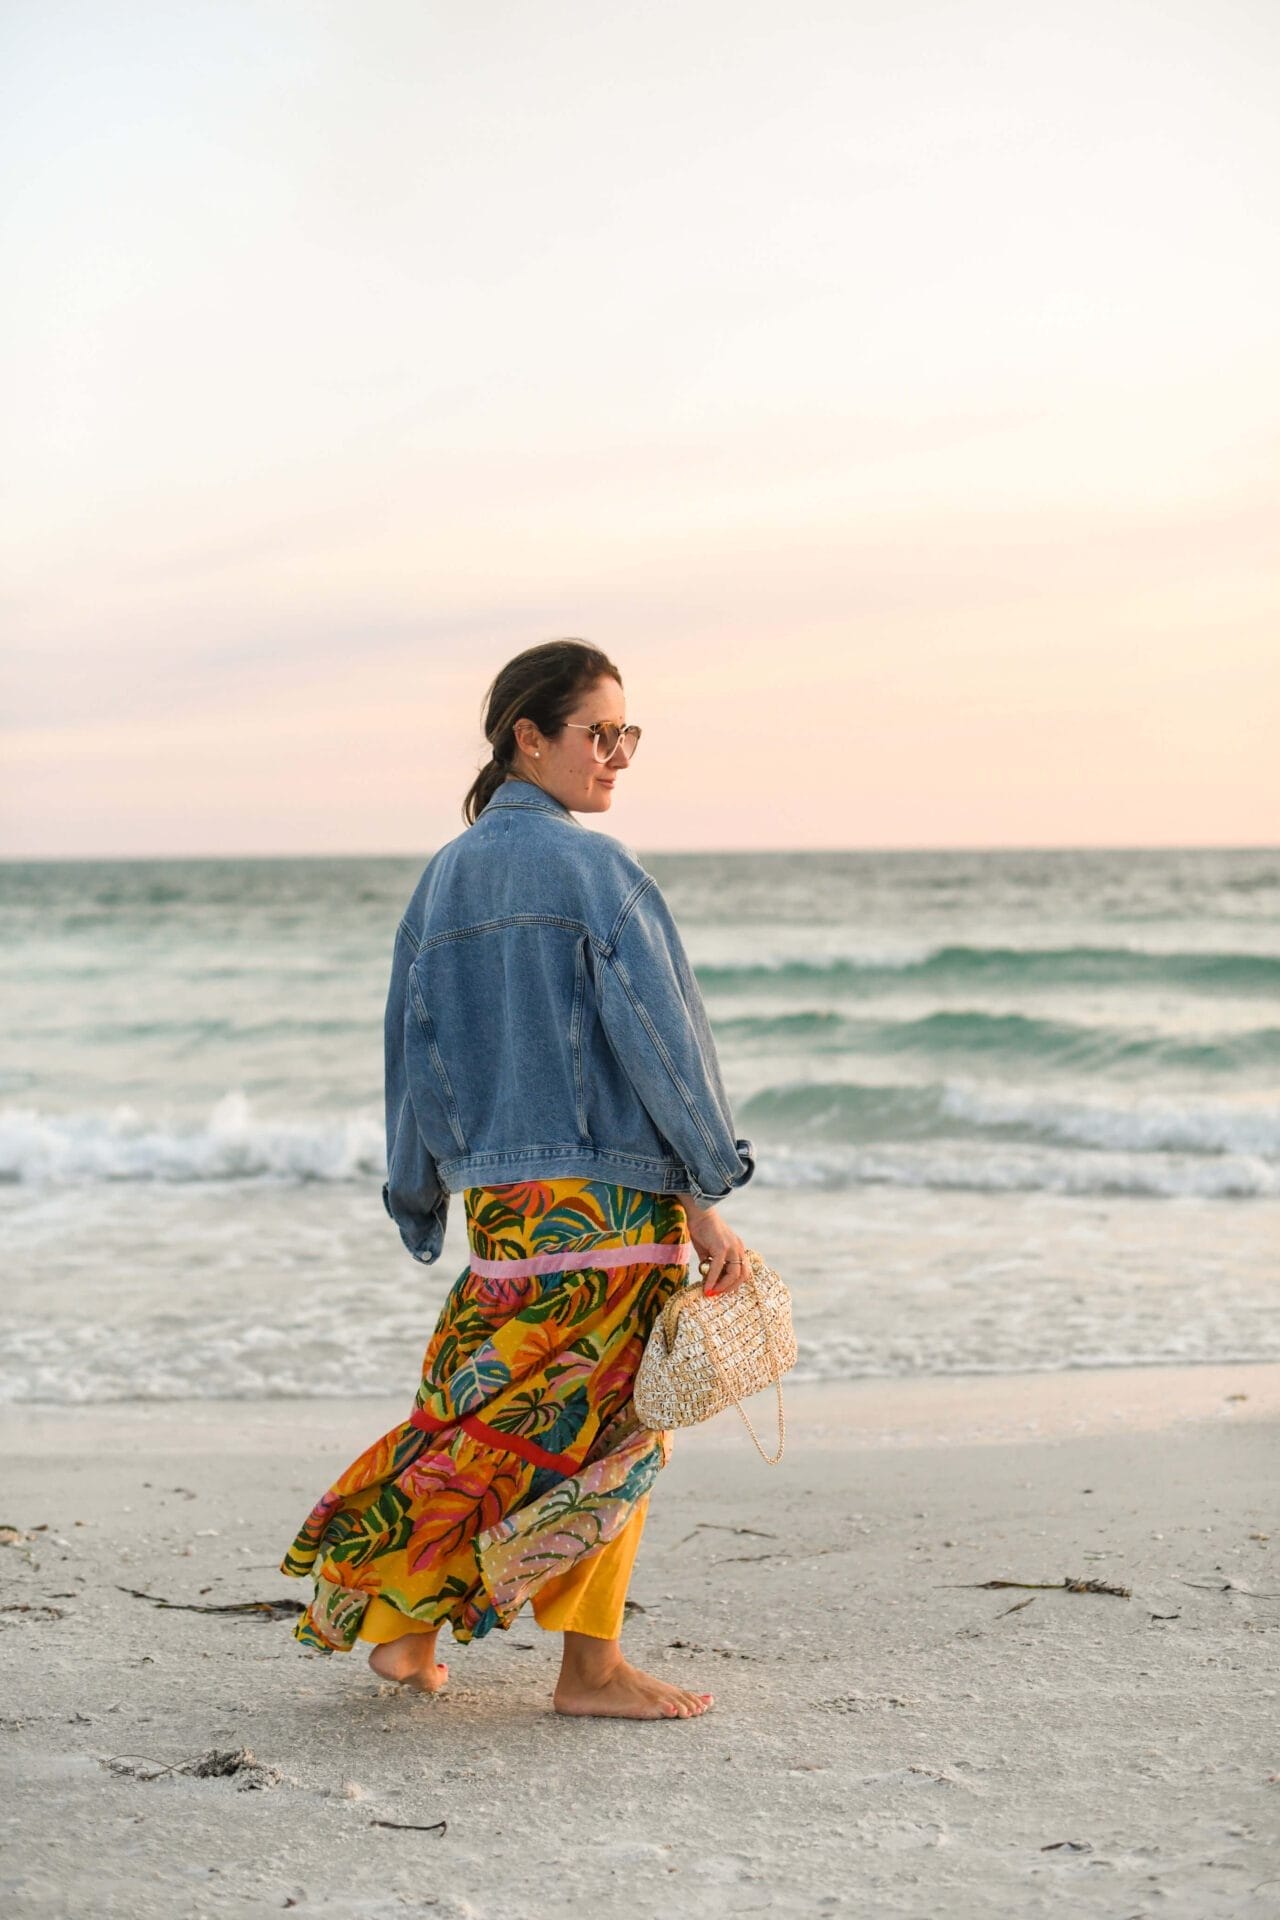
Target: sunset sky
<point>892,391</point>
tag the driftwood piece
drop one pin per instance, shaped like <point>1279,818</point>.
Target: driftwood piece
<point>413,1826</point>
<point>1067,1585</point>
<point>217,1764</point>
<point>262,1609</point>
<point>720,1526</point>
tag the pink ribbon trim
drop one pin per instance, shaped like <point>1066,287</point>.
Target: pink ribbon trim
<point>573,1259</point>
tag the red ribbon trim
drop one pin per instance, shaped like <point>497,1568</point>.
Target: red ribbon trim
<point>527,1450</point>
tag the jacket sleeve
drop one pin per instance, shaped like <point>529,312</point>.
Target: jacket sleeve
<point>412,1193</point>
<point>652,1011</point>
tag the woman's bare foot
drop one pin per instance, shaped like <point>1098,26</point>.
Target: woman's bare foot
<point>411,1659</point>
<point>595,1679</point>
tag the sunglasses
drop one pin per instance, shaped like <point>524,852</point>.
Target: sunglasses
<point>608,738</point>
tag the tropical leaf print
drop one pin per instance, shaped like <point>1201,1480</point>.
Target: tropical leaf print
<point>628,1215</point>
<point>581,1362</point>
<point>460,1505</point>
<point>532,1349</point>
<point>441,1359</point>
<point>612,1384</point>
<point>573,1298</point>
<point>575,1224</point>
<point>525,1199</point>
<point>476,1383</point>
<point>378,1524</point>
<point>603,1214</point>
<point>542,1414</point>
<point>499,1295</point>
<point>447,1523</point>
<point>496,1228</point>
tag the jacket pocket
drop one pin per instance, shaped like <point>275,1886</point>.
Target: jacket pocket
<point>437,1061</point>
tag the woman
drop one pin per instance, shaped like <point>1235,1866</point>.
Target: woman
<point>549,1056</point>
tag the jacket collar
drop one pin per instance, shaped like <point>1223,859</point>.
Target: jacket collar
<point>516,792</point>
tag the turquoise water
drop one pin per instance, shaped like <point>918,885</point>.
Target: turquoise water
<point>1011,1109</point>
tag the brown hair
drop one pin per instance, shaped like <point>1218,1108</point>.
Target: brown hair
<point>542,684</point>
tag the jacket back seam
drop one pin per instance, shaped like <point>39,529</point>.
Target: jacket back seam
<point>624,912</point>
<point>575,1038</point>
<point>661,1050</point>
<point>437,1060</point>
<point>508,920</point>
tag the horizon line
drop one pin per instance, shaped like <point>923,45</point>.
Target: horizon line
<point>417,853</point>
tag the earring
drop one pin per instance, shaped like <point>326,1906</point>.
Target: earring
<point>537,753</point>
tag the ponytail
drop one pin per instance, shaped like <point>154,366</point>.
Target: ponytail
<point>542,684</point>
<point>482,789</point>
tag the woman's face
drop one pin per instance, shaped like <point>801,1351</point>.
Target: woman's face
<point>567,766</point>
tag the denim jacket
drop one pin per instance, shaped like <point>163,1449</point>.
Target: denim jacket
<point>543,1020</point>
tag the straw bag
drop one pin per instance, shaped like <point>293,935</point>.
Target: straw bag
<point>706,1350</point>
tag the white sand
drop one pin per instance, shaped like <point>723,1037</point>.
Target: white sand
<point>887,1738</point>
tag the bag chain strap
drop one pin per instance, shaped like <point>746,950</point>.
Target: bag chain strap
<point>769,1460</point>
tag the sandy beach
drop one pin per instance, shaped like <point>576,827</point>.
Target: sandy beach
<point>890,1735</point>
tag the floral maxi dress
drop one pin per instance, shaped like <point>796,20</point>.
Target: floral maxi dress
<point>523,1451</point>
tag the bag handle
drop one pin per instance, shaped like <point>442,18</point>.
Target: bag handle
<point>770,1460</point>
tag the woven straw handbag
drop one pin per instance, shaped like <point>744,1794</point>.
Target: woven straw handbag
<point>706,1350</point>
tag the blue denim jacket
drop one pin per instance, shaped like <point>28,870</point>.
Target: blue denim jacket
<point>543,1019</point>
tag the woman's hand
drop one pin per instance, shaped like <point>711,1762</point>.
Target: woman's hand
<point>717,1242</point>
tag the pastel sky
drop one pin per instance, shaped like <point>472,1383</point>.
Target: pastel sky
<point>893,391</point>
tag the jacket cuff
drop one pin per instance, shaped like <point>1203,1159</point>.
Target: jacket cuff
<point>422,1233</point>
<point>747,1158</point>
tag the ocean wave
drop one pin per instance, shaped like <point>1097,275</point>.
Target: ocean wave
<point>1007,1036</point>
<point>225,1358</point>
<point>852,1112</point>
<point>213,1031</point>
<point>232,1144</point>
<point>957,966</point>
<point>821,1133</point>
<point>1149,1124</point>
<point>1013,1169</point>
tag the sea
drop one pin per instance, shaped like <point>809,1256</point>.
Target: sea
<point>1012,1111</point>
